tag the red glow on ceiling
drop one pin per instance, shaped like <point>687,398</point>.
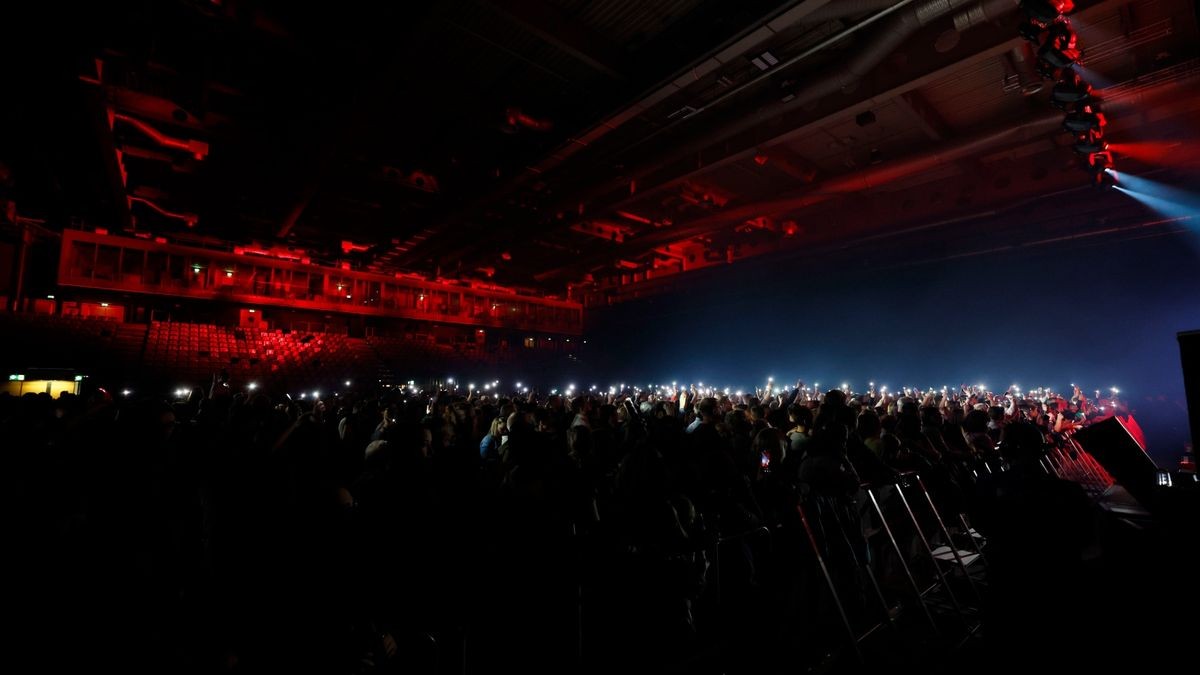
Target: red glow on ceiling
<point>1159,153</point>
<point>273,253</point>
<point>635,217</point>
<point>517,117</point>
<point>761,160</point>
<point>189,218</point>
<point>198,149</point>
<point>349,246</point>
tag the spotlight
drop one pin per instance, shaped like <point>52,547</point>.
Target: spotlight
<point>1070,90</point>
<point>1059,49</point>
<point>1047,70</point>
<point>1104,180</point>
<point>1046,11</point>
<point>1088,117</point>
<point>126,392</point>
<point>1098,162</point>
<point>1090,142</point>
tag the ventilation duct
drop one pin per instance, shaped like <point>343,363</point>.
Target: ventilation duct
<point>988,10</point>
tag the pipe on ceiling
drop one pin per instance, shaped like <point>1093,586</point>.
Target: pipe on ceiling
<point>982,12</point>
<point>753,38</point>
<point>840,9</point>
<point>899,27</point>
<point>198,149</point>
<point>189,218</point>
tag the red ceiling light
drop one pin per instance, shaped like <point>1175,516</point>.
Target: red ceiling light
<point>518,118</point>
<point>761,160</point>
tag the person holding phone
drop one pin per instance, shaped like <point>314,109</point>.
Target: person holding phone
<point>489,447</point>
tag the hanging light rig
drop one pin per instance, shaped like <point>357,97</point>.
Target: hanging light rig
<point>1058,52</point>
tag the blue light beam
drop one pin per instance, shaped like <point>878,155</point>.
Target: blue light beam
<point>1165,200</point>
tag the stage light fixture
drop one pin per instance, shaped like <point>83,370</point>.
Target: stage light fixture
<point>1088,117</point>
<point>1046,11</point>
<point>1070,90</point>
<point>1090,141</point>
<point>1104,180</point>
<point>1099,166</point>
<point>1060,48</point>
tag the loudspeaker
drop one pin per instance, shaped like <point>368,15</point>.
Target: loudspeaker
<point>1189,357</point>
<point>1111,443</point>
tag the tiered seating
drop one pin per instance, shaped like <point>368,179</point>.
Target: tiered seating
<point>288,361</point>
<point>283,359</point>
